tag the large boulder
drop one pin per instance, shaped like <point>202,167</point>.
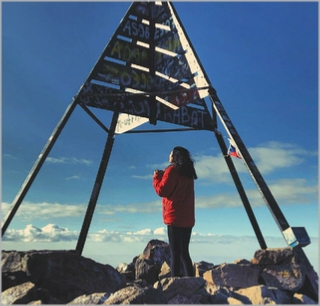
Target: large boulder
<point>261,294</point>
<point>146,269</point>
<point>182,290</point>
<point>233,275</point>
<point>280,269</point>
<point>148,264</point>
<point>157,251</point>
<point>64,274</point>
<point>272,256</point>
<point>135,294</point>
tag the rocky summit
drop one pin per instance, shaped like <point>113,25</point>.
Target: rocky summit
<point>272,276</point>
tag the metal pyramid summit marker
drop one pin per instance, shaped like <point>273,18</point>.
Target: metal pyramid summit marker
<point>149,69</point>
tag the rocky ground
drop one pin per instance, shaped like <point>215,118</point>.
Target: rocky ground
<point>272,276</point>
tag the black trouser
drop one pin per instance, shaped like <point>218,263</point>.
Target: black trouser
<point>179,238</point>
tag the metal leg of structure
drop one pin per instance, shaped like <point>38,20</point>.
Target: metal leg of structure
<point>249,163</point>
<point>241,191</point>
<point>97,184</point>
<point>263,188</point>
<point>37,166</point>
<point>312,279</point>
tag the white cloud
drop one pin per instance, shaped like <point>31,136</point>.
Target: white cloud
<point>9,156</point>
<point>294,191</point>
<point>146,231</point>
<point>45,211</point>
<point>149,207</point>
<point>49,233</point>
<point>65,160</point>
<point>219,201</point>
<point>53,160</point>
<point>48,211</point>
<point>81,161</point>
<point>74,177</point>
<point>143,177</point>
<point>269,157</point>
<point>158,166</point>
<point>212,168</point>
<point>276,155</point>
<point>125,246</point>
<point>285,191</point>
<point>54,233</point>
<point>160,231</point>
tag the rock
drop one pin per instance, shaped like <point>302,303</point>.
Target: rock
<point>233,275</point>
<point>21,294</point>
<point>45,297</point>
<point>27,293</point>
<point>232,301</point>
<point>202,267</point>
<point>281,269</point>
<point>63,273</point>
<point>127,270</point>
<point>263,295</point>
<point>179,299</point>
<point>136,295</point>
<point>13,269</point>
<point>299,298</point>
<point>242,261</point>
<point>311,284</point>
<point>139,282</point>
<point>220,296</point>
<point>157,251</point>
<point>148,264</point>
<point>147,270</point>
<point>91,299</point>
<point>184,286</point>
<point>165,271</point>
<point>288,277</point>
<point>211,288</point>
<point>272,256</point>
<point>273,276</point>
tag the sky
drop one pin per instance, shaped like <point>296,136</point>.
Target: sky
<point>261,57</point>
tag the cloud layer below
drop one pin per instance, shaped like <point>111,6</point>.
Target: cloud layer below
<point>54,233</point>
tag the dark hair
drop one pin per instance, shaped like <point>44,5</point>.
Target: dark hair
<point>183,161</point>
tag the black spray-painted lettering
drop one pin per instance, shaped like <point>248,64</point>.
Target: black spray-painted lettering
<point>99,96</point>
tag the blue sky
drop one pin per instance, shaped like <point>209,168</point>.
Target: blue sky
<point>261,57</point>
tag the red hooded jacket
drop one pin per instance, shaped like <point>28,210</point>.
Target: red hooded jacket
<point>177,194</point>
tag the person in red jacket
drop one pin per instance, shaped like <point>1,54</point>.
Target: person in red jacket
<point>176,187</point>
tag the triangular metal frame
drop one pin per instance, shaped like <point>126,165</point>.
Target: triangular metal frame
<point>150,69</point>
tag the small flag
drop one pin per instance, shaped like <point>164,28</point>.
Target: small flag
<point>232,151</point>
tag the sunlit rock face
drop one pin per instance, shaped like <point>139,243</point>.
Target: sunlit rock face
<point>272,276</point>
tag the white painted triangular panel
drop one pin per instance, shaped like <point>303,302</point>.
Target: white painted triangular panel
<point>195,68</point>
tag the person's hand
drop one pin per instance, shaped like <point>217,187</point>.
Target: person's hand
<point>157,171</point>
